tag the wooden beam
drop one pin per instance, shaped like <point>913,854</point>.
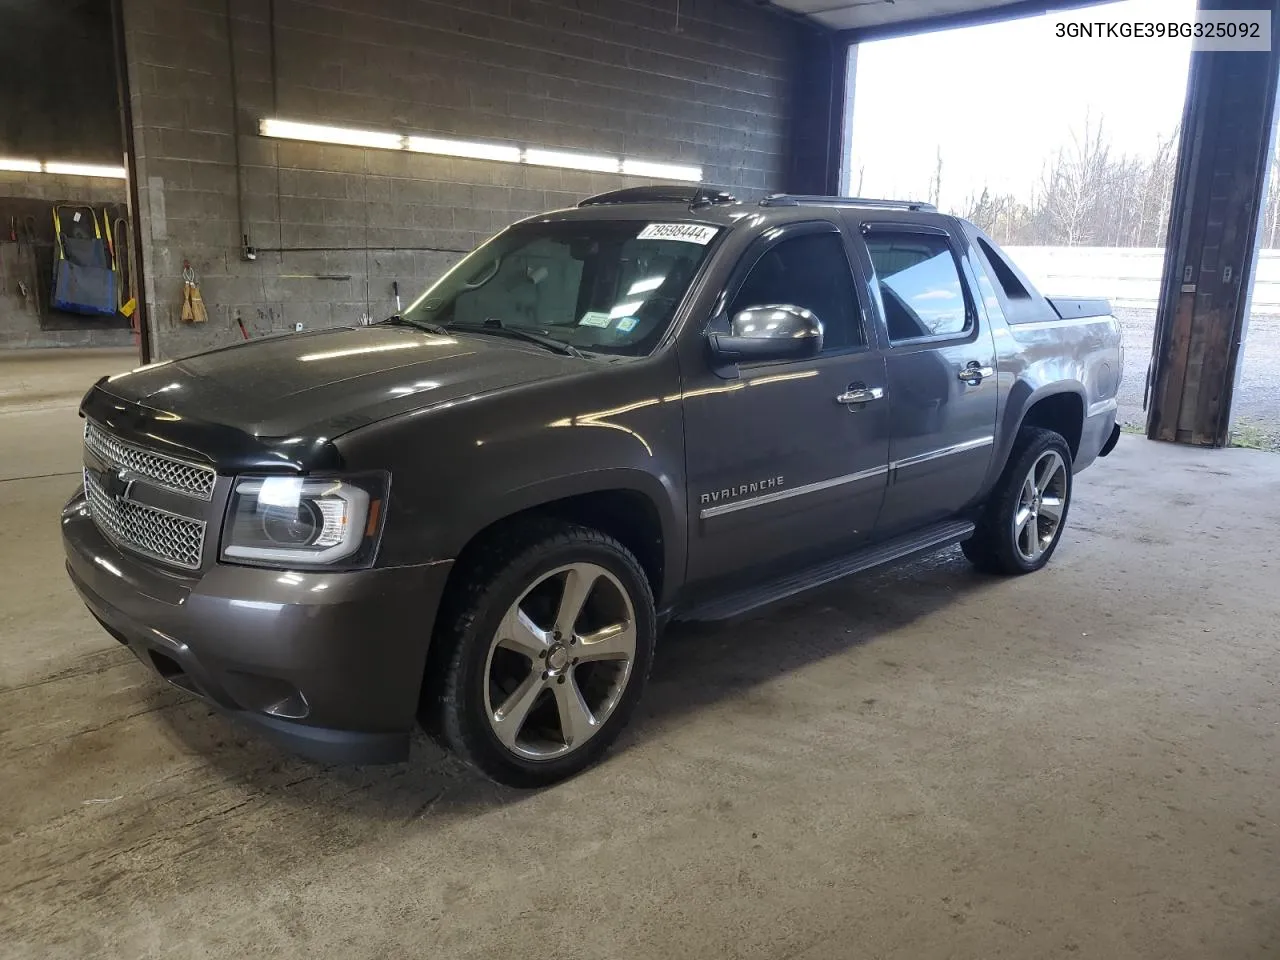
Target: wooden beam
<point>1213,231</point>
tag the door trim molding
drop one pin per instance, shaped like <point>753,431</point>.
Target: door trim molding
<point>941,452</point>
<point>724,508</point>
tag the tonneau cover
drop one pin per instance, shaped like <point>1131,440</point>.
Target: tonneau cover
<point>1072,309</point>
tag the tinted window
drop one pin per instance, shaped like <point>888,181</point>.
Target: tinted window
<point>602,286</point>
<point>1013,288</point>
<point>919,284</point>
<point>813,272</point>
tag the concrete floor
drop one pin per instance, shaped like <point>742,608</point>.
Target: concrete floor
<point>918,763</point>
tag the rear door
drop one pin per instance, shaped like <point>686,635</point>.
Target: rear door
<point>940,367</point>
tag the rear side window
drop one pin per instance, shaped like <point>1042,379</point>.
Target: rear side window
<point>1009,282</point>
<point>919,285</point>
<point>809,271</point>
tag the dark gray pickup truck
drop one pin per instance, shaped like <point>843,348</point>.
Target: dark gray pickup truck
<point>661,404</point>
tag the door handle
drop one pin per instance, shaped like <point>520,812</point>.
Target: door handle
<point>857,393</point>
<point>975,372</point>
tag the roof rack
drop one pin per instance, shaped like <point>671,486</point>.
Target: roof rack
<point>795,200</point>
<point>694,196</point>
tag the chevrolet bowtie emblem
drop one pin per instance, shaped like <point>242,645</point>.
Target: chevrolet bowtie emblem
<point>114,483</point>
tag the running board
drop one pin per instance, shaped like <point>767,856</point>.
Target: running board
<point>924,541</point>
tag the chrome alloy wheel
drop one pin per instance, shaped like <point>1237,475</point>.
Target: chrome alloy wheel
<point>560,661</point>
<point>1041,504</point>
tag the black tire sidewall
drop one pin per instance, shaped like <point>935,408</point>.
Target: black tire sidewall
<point>472,723</point>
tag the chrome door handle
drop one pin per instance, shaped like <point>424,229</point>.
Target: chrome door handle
<point>974,372</point>
<point>861,395</point>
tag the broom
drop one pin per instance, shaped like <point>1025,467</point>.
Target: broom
<point>193,310</point>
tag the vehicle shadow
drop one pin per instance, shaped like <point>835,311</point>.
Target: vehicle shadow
<point>697,665</point>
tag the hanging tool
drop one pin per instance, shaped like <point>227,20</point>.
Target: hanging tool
<point>192,303</point>
<point>126,296</point>
<point>27,238</point>
<point>83,278</point>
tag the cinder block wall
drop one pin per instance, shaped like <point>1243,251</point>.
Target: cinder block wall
<point>694,81</point>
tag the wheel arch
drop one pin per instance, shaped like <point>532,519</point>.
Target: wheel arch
<point>633,507</point>
<point>1057,406</point>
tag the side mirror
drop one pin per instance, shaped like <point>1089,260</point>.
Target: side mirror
<point>773,332</point>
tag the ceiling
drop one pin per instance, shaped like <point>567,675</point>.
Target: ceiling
<point>871,14</point>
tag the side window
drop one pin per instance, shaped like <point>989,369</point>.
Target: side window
<point>919,284</point>
<point>809,271</point>
<point>1009,282</point>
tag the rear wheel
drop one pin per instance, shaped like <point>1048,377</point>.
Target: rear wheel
<point>1023,519</point>
<point>551,643</point>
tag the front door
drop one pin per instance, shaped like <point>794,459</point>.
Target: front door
<point>787,460</point>
<point>940,375</point>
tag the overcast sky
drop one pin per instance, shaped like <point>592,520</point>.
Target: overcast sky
<point>1000,99</point>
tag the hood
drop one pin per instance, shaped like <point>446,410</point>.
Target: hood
<point>329,382</point>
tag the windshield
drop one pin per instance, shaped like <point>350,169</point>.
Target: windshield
<point>600,286</point>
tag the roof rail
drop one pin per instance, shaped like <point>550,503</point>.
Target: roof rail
<point>694,196</point>
<point>795,200</point>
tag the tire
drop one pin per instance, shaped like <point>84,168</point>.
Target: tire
<point>1004,542</point>
<point>525,705</point>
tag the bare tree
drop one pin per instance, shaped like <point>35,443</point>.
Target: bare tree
<point>1157,193</point>
<point>1270,238</point>
<point>935,185</point>
<point>1087,193</point>
<point>1000,215</point>
<point>1075,182</point>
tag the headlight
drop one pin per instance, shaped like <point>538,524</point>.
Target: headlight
<point>303,520</point>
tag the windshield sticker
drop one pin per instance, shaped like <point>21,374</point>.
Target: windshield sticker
<point>627,324</point>
<point>594,319</point>
<point>686,232</point>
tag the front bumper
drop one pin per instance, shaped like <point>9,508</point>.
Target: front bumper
<point>329,665</point>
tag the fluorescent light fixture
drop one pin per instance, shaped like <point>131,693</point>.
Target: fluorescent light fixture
<point>85,170</point>
<point>570,161</point>
<point>21,166</point>
<point>662,171</point>
<point>473,150</point>
<point>645,285</point>
<point>464,148</point>
<point>290,130</point>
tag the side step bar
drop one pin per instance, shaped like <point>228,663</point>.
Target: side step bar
<point>743,601</point>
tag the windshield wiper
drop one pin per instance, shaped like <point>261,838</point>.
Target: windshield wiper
<point>398,321</point>
<point>495,325</point>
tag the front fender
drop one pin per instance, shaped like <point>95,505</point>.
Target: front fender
<point>457,471</point>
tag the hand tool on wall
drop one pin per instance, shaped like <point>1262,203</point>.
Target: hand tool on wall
<point>192,303</point>
<point>27,238</point>
<point>127,297</point>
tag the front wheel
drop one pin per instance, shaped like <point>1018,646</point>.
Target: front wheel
<point>1024,517</point>
<point>551,643</point>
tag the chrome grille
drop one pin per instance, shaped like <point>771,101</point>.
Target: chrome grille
<point>177,475</point>
<point>157,533</point>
